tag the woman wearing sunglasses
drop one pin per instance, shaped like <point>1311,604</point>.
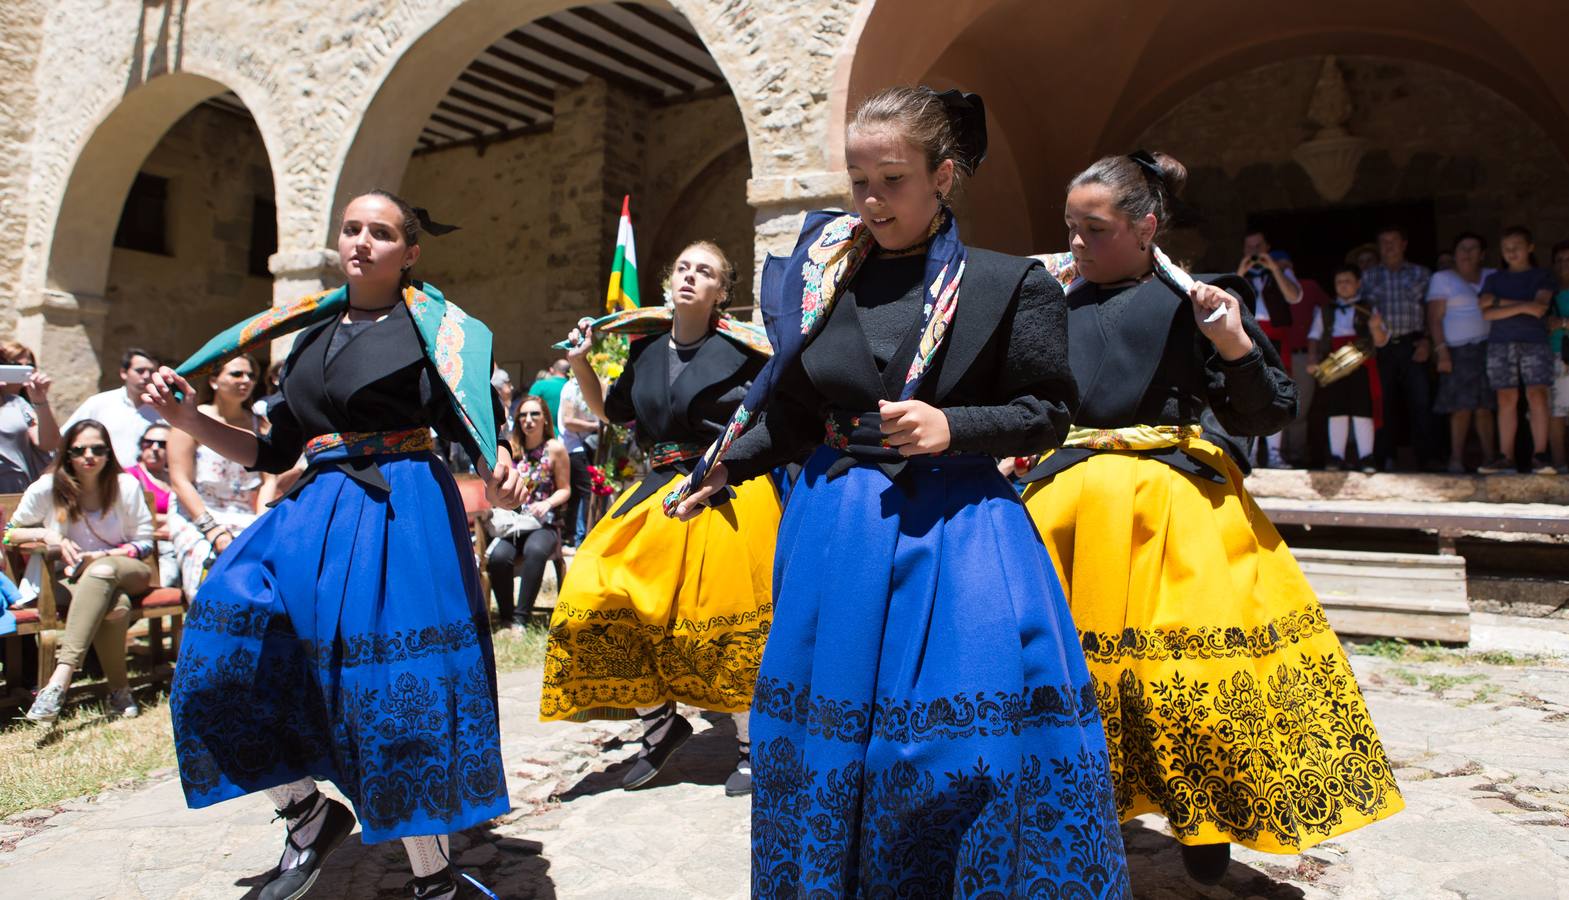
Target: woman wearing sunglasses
<point>526,540</point>
<point>91,517</point>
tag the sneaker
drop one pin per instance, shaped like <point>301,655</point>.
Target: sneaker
<point>1368,465</point>
<point>739,784</point>
<point>654,756</point>
<point>1275,461</point>
<point>122,704</point>
<point>1497,465</point>
<point>46,706</point>
<point>1542,464</point>
<point>292,883</point>
<point>1335,464</point>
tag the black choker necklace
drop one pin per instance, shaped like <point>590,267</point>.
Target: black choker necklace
<point>684,346</point>
<point>371,309</point>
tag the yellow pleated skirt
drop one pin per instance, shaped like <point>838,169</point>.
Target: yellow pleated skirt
<point>654,610</point>
<point>1229,705</point>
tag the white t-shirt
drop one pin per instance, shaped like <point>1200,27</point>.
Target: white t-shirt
<point>1345,323</point>
<point>572,400</point>
<point>1463,322</point>
<point>126,422</point>
<point>127,521</point>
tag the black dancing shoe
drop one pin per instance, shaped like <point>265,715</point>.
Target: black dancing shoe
<point>654,756</point>
<point>293,882</point>
<point>444,885</point>
<point>739,784</point>
<point>1206,863</point>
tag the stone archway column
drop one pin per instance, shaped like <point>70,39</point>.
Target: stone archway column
<point>66,331</point>
<point>781,202</point>
<point>296,273</point>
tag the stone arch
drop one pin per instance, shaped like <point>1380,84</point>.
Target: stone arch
<point>684,220</point>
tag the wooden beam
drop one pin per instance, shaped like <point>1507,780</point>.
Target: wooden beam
<point>493,87</point>
<point>482,103</point>
<point>578,62</point>
<point>522,40</point>
<point>615,53</point>
<point>611,26</point>
<point>484,141</point>
<point>456,126</point>
<point>665,25</point>
<point>515,81</point>
<point>484,120</point>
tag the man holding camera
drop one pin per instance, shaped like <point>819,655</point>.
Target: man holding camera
<point>1276,290</point>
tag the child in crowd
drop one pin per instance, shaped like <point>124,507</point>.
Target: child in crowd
<point>1515,300</point>
<point>1349,403</point>
<point>1558,331</point>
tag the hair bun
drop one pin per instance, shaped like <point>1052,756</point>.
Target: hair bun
<point>967,117</point>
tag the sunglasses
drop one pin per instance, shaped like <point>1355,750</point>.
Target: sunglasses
<point>531,415</point>
<point>88,450</point>
<point>159,444</point>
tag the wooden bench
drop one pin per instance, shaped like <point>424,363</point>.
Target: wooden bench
<point>44,620</point>
<point>477,508</point>
<point>1405,595</point>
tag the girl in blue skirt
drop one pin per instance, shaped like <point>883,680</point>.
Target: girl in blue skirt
<point>343,635</point>
<point>923,724</point>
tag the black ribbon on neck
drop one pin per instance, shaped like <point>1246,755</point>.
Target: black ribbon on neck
<point>967,117</point>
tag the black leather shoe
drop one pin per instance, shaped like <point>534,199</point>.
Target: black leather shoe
<point>293,882</point>
<point>443,885</point>
<point>739,784</point>
<point>1206,863</point>
<point>654,756</point>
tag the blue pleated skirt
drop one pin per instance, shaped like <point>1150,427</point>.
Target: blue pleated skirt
<point>343,637</point>
<point>924,725</point>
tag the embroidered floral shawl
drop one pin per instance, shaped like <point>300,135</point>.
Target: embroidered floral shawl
<point>458,345</point>
<point>658,319</point>
<point>799,292</point>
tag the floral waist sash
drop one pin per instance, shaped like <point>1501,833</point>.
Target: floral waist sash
<point>668,453</point>
<point>1132,437</point>
<point>359,444</point>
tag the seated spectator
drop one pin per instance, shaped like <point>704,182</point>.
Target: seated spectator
<point>502,382</point>
<point>1515,300</point>
<point>152,470</point>
<point>1454,320</point>
<point>580,435</point>
<point>10,598</point>
<point>528,539</point>
<point>97,529</point>
<point>1558,326</point>
<point>215,494</point>
<point>550,387</point>
<point>271,393</point>
<point>1348,402</point>
<point>28,433</point>
<point>121,410</point>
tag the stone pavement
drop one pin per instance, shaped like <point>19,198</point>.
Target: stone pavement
<point>1482,753</point>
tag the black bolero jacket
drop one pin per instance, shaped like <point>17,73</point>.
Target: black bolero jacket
<point>696,406</point>
<point>380,380</point>
<point>1001,377</point>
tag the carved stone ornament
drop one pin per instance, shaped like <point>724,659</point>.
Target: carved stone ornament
<point>1331,157</point>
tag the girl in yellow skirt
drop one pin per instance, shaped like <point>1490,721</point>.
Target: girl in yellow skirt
<point>654,611</point>
<point>1229,705</point>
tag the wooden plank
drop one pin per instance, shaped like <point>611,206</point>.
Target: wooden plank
<point>562,55</point>
<point>664,24</point>
<point>1404,595</point>
<point>616,29</point>
<point>1449,516</point>
<point>1405,625</point>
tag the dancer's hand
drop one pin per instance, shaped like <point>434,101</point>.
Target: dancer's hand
<point>504,488</point>
<point>160,396</point>
<point>697,501</point>
<point>582,338</point>
<point>914,428</point>
<point>1226,332</point>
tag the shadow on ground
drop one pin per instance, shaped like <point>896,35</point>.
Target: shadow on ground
<point>1155,869</point>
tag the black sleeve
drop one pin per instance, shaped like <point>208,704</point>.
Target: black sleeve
<point>1035,381</point>
<point>618,400</point>
<point>448,421</point>
<point>279,449</point>
<point>790,426</point>
<point>1252,396</point>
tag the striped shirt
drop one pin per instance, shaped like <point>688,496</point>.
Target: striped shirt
<point>1400,296</point>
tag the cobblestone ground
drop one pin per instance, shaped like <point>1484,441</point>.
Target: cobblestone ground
<point>1482,753</point>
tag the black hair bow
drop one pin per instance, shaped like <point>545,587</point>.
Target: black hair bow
<point>431,226</point>
<point>967,115</point>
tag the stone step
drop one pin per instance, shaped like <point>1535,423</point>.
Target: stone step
<point>1404,595</point>
<point>1303,484</point>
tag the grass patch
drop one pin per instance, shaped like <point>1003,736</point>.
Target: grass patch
<point>1406,676</point>
<point>518,649</point>
<point>86,753</point>
<point>1398,650</point>
<point>1438,682</point>
<point>1392,649</point>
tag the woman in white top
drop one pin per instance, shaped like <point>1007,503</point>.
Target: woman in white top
<point>97,528</point>
<point>1454,319</point>
<point>219,497</point>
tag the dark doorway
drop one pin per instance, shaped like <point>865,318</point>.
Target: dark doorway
<point>1319,239</point>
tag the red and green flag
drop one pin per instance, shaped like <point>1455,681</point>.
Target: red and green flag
<point>622,293</point>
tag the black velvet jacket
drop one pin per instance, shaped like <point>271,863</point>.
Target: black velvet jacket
<point>696,406</point>
<point>1001,376</point>
<point>1140,359</point>
<point>380,381</point>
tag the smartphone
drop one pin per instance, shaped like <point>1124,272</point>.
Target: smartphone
<point>15,374</point>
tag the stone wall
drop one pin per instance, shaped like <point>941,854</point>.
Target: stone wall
<point>539,212</point>
<point>217,168</point>
<point>21,32</point>
<point>1434,135</point>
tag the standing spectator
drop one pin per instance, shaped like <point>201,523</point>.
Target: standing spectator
<point>217,495</point>
<point>1398,290</point>
<point>91,517</point>
<point>1348,403</point>
<point>502,382</point>
<point>28,432</point>
<point>1363,256</point>
<point>1454,319</point>
<point>1276,290</point>
<point>121,410</point>
<point>578,428</point>
<point>1515,300</point>
<point>1558,325</point>
<point>550,387</point>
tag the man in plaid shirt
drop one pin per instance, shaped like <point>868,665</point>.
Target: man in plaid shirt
<point>1398,290</point>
